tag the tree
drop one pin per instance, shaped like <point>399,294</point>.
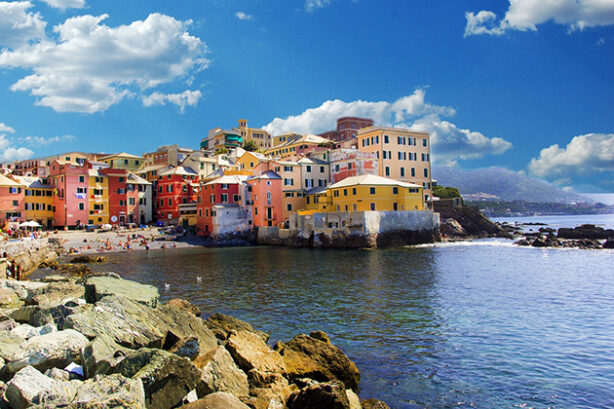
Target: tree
<point>445,192</point>
<point>221,151</point>
<point>250,146</point>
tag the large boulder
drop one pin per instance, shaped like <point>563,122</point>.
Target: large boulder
<point>26,385</point>
<point>98,287</point>
<point>185,305</point>
<point>166,377</point>
<point>219,373</point>
<point>218,400</point>
<point>320,396</point>
<point>224,325</point>
<point>373,404</point>
<point>9,299</point>
<point>10,345</point>
<point>101,356</point>
<point>57,293</point>
<point>24,289</point>
<point>250,351</point>
<point>585,231</point>
<point>267,389</point>
<point>56,349</point>
<point>27,331</point>
<point>183,325</point>
<point>102,392</point>
<point>308,357</point>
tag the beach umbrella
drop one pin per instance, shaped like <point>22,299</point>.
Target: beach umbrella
<point>31,223</point>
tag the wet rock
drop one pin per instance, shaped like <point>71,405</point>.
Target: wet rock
<point>585,231</point>
<point>101,356</point>
<point>321,396</point>
<point>307,357</point>
<point>74,270</point>
<point>250,351</point>
<point>98,287</point>
<point>26,385</point>
<point>218,400</point>
<point>219,373</point>
<point>452,228</point>
<point>522,242</point>
<point>187,348</point>
<point>166,377</point>
<point>56,349</point>
<point>320,335</point>
<point>223,325</point>
<point>539,242</point>
<point>9,299</point>
<point>101,392</point>
<point>609,244</point>
<point>373,404</point>
<point>185,305</point>
<point>85,259</point>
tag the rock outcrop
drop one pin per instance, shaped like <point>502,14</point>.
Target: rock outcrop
<point>123,349</point>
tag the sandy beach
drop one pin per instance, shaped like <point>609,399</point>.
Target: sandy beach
<point>81,242</point>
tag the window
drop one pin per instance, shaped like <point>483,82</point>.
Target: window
<point>395,190</point>
<point>132,201</point>
<point>224,198</point>
<point>321,169</point>
<point>122,179</point>
<point>81,179</point>
<point>350,165</point>
<point>345,192</point>
<point>336,193</point>
<point>161,202</point>
<point>268,183</point>
<point>395,206</point>
<point>81,190</point>
<point>307,199</point>
<point>15,203</point>
<point>287,168</point>
<point>289,207</point>
<point>236,198</point>
<point>170,202</point>
<point>402,171</point>
<point>372,190</point>
<point>413,172</point>
<point>224,186</point>
<point>256,211</point>
<point>354,191</point>
<point>288,182</point>
<point>184,188</point>
<point>212,198</point>
<point>387,170</point>
<point>120,191</point>
<point>426,173</point>
<point>386,139</point>
<point>372,206</point>
<point>81,206</point>
<point>424,142</point>
<point>308,168</point>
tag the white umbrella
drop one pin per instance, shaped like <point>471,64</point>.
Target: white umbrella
<point>31,223</point>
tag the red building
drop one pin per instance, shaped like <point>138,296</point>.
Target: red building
<point>178,185</point>
<point>71,201</point>
<point>123,197</point>
<point>266,195</point>
<point>223,191</point>
<point>347,128</point>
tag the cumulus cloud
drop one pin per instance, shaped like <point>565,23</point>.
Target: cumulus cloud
<point>65,4</point>
<point>92,66</point>
<point>9,153</point>
<point>186,98</point>
<point>449,142</point>
<point>42,141</point>
<point>243,16</point>
<point>312,5</point>
<point>18,26</point>
<point>526,15</point>
<point>4,129</point>
<point>585,154</point>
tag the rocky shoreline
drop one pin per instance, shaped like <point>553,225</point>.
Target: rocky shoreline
<point>99,341</point>
<point>586,236</point>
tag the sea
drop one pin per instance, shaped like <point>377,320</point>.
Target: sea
<point>478,324</point>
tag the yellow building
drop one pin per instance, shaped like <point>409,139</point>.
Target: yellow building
<point>365,193</point>
<point>296,144</point>
<point>38,200</point>
<point>261,137</point>
<point>98,198</point>
<point>401,154</point>
<point>123,161</point>
<point>250,160</point>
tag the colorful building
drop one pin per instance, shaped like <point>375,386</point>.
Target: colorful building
<point>71,182</point>
<point>299,145</point>
<point>266,196</point>
<point>293,195</point>
<point>38,200</point>
<point>250,160</point>
<point>366,193</point>
<point>221,206</point>
<point>346,162</point>
<point>261,138</point>
<point>177,185</point>
<point>219,138</point>
<point>98,197</point>
<point>401,154</point>
<point>11,200</point>
<point>347,129</point>
<point>123,161</point>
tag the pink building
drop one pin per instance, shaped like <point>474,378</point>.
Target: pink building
<point>71,201</point>
<point>11,200</point>
<point>267,199</point>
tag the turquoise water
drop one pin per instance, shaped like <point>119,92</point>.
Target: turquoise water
<point>483,324</point>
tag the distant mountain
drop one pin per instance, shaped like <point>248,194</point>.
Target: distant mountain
<point>501,184</point>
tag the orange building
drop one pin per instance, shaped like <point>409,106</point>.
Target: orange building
<point>267,199</point>
<point>11,200</point>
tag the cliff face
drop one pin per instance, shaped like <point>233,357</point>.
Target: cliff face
<point>472,222</point>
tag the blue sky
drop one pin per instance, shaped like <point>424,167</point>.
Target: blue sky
<point>523,84</point>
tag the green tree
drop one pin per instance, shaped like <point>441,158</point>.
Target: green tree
<point>250,146</point>
<point>221,151</point>
<point>445,192</point>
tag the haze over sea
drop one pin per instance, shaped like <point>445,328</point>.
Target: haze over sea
<point>481,324</point>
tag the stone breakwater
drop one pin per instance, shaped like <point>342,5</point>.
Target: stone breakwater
<point>103,342</point>
<point>28,254</point>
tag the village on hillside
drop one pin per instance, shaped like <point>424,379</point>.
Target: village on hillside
<point>240,179</point>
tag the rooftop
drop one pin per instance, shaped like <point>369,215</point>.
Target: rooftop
<point>371,180</point>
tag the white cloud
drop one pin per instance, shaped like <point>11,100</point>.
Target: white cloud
<point>186,98</point>
<point>5,128</point>
<point>18,26</point>
<point>42,141</point>
<point>312,5</point>
<point>585,154</point>
<point>65,4</point>
<point>601,41</point>
<point>243,16</point>
<point>449,142</point>
<point>526,15</point>
<point>92,66</point>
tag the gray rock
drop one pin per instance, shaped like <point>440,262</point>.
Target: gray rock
<point>218,400</point>
<point>57,315</point>
<point>184,324</point>
<point>24,314</point>
<point>58,374</point>
<point>101,392</point>
<point>166,377</point>
<point>56,349</point>
<point>7,324</point>
<point>9,299</point>
<point>98,287</point>
<point>224,325</point>
<point>27,331</point>
<point>10,345</point>
<point>56,293</point>
<point>22,288</point>
<point>320,396</point>
<point>221,374</point>
<point>187,347</point>
<point>26,385</point>
<point>249,351</point>
<point>101,356</point>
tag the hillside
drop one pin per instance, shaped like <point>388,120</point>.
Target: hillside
<point>501,184</point>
